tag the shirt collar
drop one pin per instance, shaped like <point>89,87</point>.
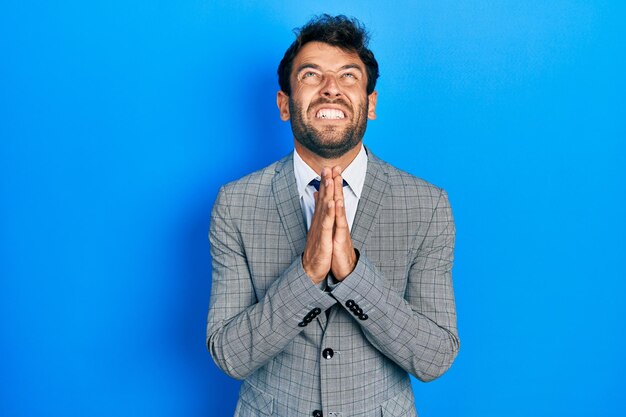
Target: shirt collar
<point>354,174</point>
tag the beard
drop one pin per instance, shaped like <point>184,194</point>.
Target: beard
<point>329,142</point>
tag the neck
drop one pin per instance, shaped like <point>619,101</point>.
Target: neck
<point>316,162</point>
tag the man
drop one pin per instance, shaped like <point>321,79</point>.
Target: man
<point>328,322</point>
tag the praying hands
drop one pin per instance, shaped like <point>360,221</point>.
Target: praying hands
<point>328,244</point>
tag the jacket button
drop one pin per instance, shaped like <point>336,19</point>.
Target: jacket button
<point>363,316</point>
<point>317,413</point>
<point>350,303</point>
<point>328,353</point>
<point>316,311</point>
<point>302,324</point>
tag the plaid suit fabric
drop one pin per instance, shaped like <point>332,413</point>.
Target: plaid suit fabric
<point>260,297</point>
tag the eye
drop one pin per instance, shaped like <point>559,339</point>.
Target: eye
<point>310,77</point>
<point>349,78</point>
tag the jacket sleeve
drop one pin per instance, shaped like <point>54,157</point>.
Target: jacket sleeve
<point>416,330</point>
<point>243,332</point>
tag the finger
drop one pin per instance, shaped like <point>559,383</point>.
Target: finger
<point>338,186</point>
<point>316,203</point>
<point>319,210</point>
<point>324,211</point>
<point>337,178</point>
<point>341,221</point>
<point>328,217</point>
<point>326,185</point>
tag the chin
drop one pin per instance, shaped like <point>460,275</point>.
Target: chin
<point>330,149</point>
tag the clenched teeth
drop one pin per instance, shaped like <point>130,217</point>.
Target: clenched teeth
<point>330,114</point>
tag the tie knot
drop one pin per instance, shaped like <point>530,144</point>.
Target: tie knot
<point>316,183</point>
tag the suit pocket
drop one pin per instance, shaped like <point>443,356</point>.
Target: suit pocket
<point>402,405</point>
<point>256,399</point>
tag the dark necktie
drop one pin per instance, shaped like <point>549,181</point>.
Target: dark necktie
<point>316,183</point>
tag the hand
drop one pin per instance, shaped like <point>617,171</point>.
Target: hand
<point>344,257</point>
<point>318,252</point>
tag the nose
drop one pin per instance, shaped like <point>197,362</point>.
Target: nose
<point>330,88</point>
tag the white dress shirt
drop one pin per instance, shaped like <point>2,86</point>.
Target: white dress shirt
<point>354,175</point>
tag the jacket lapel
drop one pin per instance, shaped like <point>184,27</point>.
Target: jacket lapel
<point>372,196</point>
<point>287,200</point>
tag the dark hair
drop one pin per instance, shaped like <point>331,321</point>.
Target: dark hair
<point>341,31</point>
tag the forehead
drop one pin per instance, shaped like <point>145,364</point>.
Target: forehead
<point>326,56</point>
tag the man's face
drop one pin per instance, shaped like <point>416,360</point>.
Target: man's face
<point>329,105</point>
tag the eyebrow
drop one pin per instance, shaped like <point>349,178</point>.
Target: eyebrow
<point>351,66</point>
<point>317,67</point>
<point>305,66</point>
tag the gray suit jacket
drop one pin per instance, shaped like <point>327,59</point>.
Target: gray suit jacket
<point>394,314</point>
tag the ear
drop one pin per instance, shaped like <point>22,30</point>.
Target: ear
<point>371,102</point>
<point>282,101</point>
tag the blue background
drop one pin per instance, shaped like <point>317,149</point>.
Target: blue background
<point>120,119</point>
